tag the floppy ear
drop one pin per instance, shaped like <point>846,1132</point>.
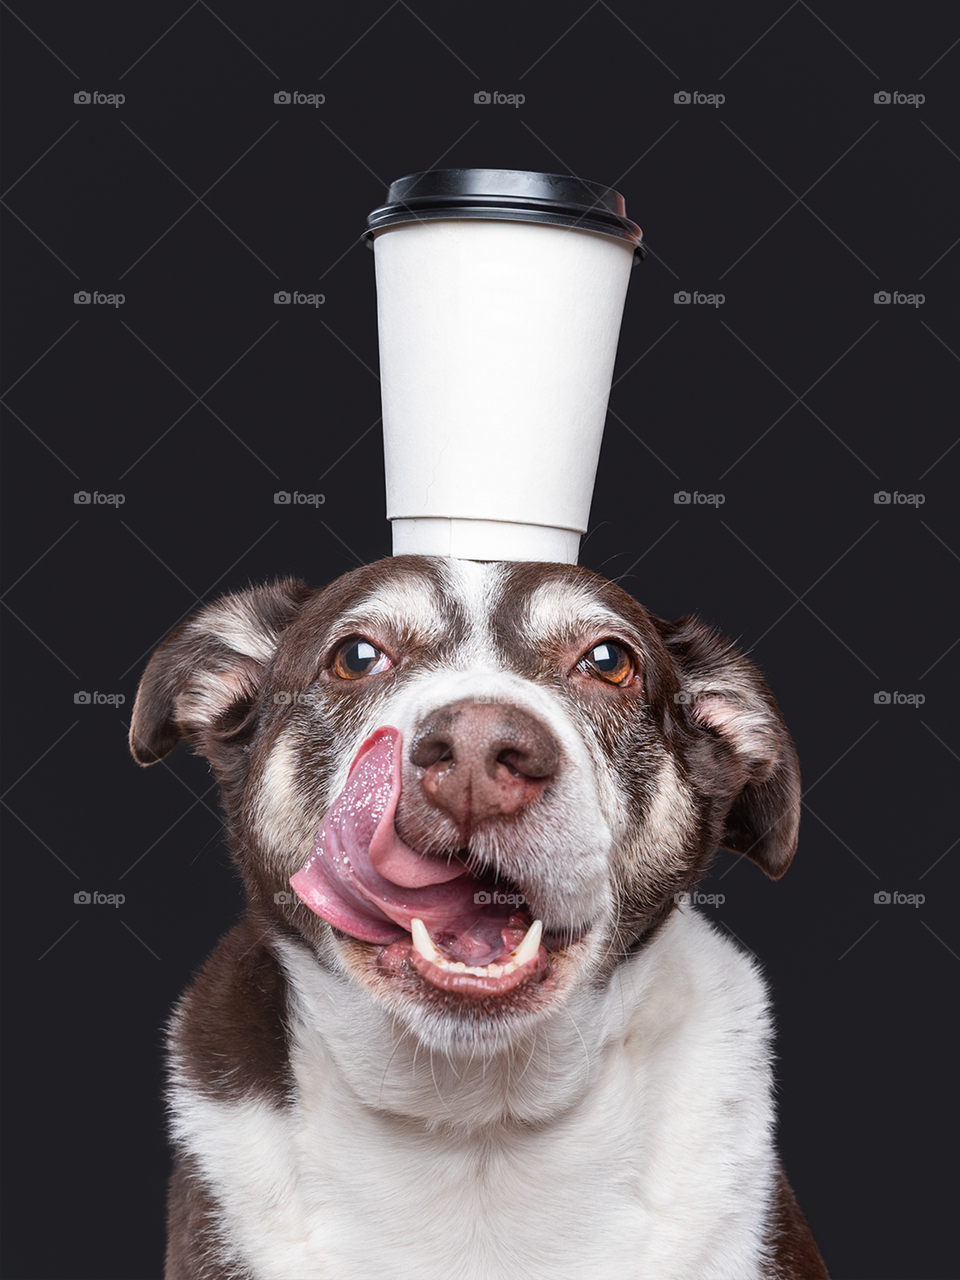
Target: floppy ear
<point>724,696</point>
<point>204,676</point>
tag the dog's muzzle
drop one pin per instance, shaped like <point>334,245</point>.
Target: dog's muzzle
<point>477,762</point>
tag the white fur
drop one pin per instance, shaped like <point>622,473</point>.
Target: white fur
<point>563,855</point>
<point>230,621</point>
<point>647,1156</point>
<point>619,1133</point>
<point>556,606</point>
<point>286,830</point>
<point>411,599</point>
<point>669,819</point>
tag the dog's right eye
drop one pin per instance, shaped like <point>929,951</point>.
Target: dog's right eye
<point>359,658</point>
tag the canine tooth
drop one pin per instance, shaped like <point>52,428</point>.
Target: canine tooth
<point>423,942</point>
<point>530,945</point>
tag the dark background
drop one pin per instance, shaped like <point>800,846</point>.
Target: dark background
<point>798,399</point>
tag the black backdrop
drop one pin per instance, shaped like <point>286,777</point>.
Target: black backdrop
<point>798,398</point>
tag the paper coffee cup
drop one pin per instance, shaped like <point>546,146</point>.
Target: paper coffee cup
<point>498,336</point>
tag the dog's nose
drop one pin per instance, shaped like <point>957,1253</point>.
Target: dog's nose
<point>483,760</point>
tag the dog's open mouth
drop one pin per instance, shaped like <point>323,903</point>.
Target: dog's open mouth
<point>462,932</point>
<point>521,959</point>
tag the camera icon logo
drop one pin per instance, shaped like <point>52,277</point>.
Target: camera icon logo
<point>282,97</point>
<point>82,698</point>
<point>282,498</point>
<point>882,699</point>
<point>482,98</point>
<point>882,298</point>
<point>681,298</point>
<point>82,498</point>
<point>682,498</point>
<point>682,97</point>
<point>882,499</point>
<point>882,897</point>
<point>282,298</point>
<point>883,98</point>
<point>81,298</point>
<point>483,898</point>
<point>283,897</point>
<point>282,699</point>
<point>82,97</point>
<point>682,899</point>
<point>82,897</point>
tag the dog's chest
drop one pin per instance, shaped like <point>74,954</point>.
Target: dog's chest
<point>415,1205</point>
<point>660,1171</point>
<point>331,1189</point>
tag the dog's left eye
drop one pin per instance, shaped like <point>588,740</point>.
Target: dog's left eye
<point>608,660</point>
<point>359,658</point>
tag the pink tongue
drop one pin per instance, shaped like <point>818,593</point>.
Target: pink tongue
<point>361,877</point>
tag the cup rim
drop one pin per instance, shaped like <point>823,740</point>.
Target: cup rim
<point>505,195</point>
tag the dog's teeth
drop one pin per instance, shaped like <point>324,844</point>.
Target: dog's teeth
<point>526,951</point>
<point>530,945</point>
<point>423,942</point>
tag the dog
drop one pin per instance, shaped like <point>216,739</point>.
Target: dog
<point>467,1026</point>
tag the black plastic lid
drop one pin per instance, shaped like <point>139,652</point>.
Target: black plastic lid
<point>506,195</point>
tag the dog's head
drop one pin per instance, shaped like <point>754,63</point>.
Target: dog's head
<point>445,757</point>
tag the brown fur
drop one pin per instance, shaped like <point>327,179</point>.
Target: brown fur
<point>795,1254</point>
<point>231,1033</point>
<point>193,1245</point>
<point>698,701</point>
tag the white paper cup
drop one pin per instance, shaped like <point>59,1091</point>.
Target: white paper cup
<point>497,347</point>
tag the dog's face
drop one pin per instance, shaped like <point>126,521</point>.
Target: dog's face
<point>445,757</point>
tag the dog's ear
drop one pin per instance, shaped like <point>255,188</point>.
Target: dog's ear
<point>722,694</point>
<point>207,672</point>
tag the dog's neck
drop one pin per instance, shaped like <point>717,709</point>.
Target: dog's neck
<point>339,1035</point>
